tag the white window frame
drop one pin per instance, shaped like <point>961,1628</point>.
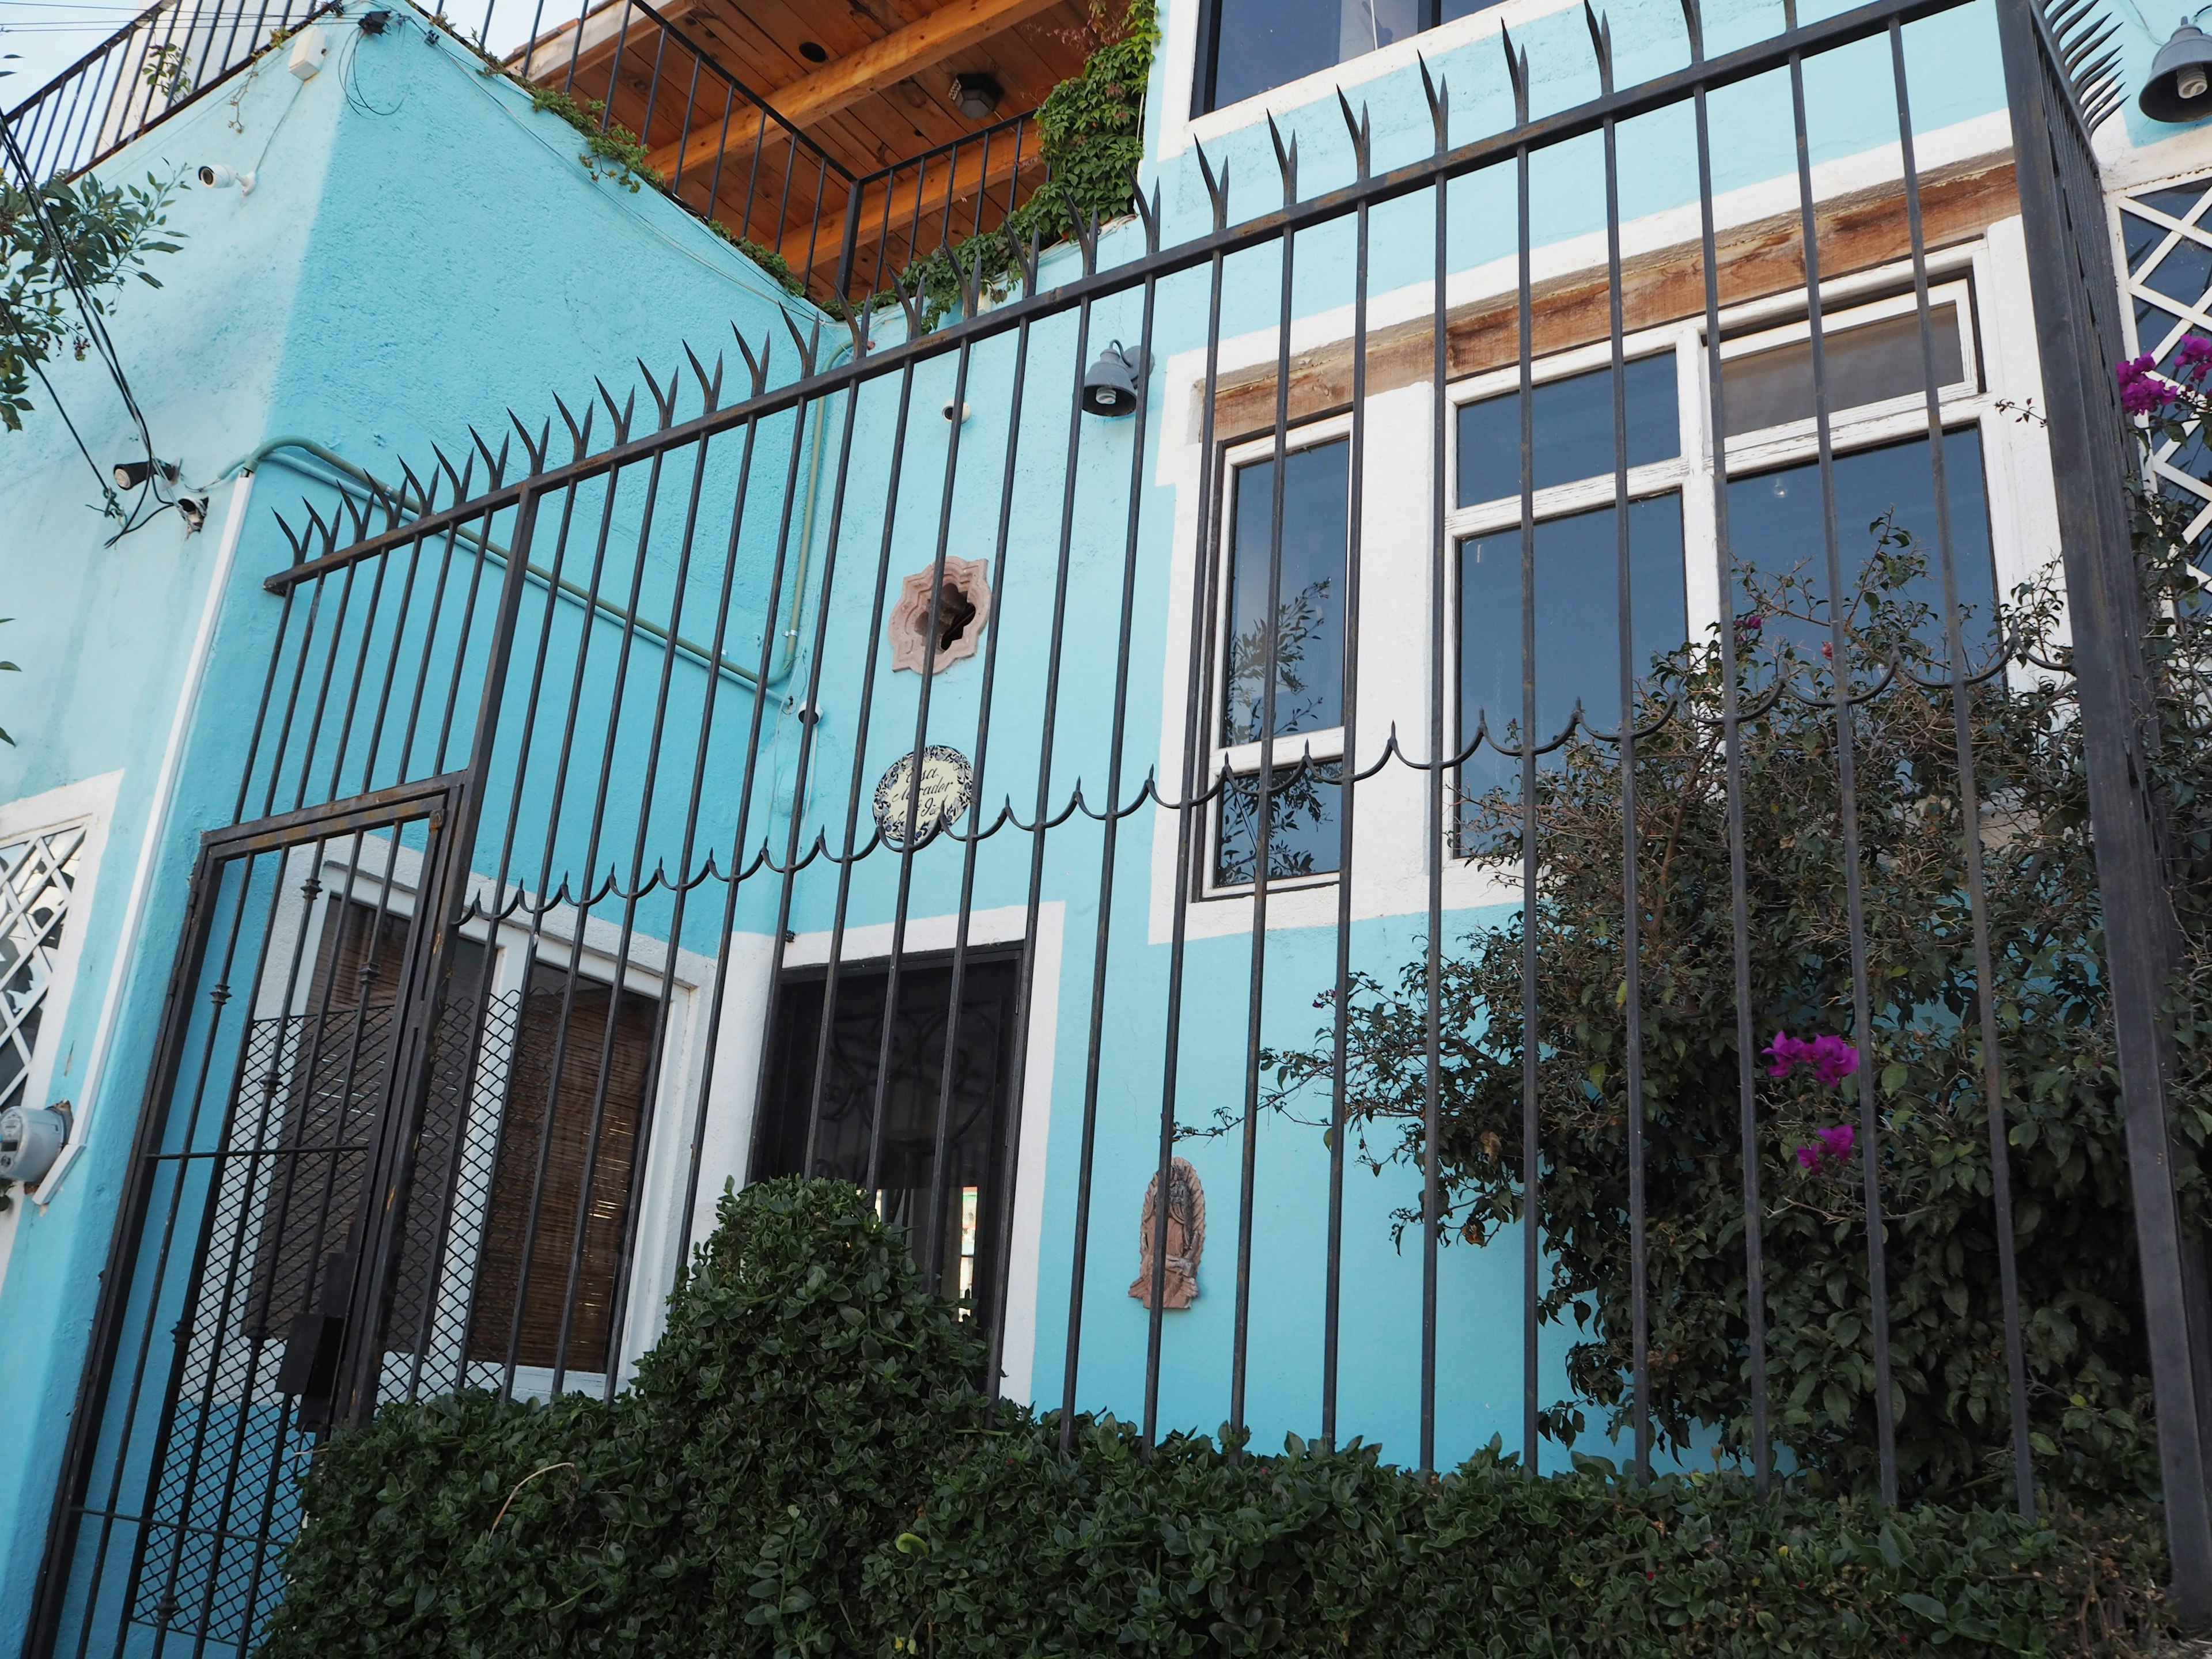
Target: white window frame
<point>1243,760</point>
<point>658,1237</point>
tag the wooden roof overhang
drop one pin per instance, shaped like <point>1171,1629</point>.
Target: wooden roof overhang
<point>784,120</point>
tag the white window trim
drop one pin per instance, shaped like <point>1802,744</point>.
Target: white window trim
<point>1390,870</point>
<point>1243,760</point>
<point>1180,125</point>
<point>659,1239</point>
<point>871,946</point>
<point>90,802</point>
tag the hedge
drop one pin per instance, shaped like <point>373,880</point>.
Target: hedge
<point>803,1467</point>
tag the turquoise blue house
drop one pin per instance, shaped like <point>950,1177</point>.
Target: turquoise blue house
<point>950,745</point>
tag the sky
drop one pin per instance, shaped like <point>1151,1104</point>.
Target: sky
<point>48,36</point>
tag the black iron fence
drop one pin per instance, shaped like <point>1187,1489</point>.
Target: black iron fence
<point>1037,803</point>
<point>712,143</point>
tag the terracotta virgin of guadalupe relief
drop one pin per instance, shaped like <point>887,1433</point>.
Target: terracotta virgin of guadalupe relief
<point>1186,1237</point>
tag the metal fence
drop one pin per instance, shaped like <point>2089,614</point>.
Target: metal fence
<point>644,711</point>
<point>717,148</point>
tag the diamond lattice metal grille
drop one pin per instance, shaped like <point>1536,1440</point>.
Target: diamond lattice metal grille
<point>37,875</point>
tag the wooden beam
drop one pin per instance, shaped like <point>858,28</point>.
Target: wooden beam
<point>874,68</point>
<point>1856,232</point>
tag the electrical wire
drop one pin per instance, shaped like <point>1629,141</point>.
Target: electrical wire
<point>95,333</point>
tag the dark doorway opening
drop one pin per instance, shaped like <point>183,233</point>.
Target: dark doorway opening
<point>977,1091</point>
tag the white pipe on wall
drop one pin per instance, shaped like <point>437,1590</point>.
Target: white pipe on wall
<point>149,848</point>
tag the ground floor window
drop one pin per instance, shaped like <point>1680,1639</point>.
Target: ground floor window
<point>884,1090</point>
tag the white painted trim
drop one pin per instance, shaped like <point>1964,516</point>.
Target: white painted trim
<point>1179,127</point>
<point>150,850</point>
<point>864,946</point>
<point>90,802</point>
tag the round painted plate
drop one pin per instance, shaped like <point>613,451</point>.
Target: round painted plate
<point>947,783</point>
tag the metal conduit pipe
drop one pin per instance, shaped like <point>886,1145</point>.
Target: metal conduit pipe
<point>359,482</point>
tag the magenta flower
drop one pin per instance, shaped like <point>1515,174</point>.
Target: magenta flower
<point>1832,1059</point>
<point>2141,391</point>
<point>1835,1144</point>
<point>2193,357</point>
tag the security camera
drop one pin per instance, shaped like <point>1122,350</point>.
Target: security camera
<point>129,475</point>
<point>192,509</point>
<point>959,411</point>
<point>215,176</point>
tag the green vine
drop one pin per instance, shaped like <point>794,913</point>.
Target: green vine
<point>1091,138</point>
<point>1091,135</point>
<point>612,152</point>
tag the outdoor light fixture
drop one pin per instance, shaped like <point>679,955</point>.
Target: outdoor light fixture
<point>2181,77</point>
<point>129,475</point>
<point>1111,387</point>
<point>192,509</point>
<point>975,95</point>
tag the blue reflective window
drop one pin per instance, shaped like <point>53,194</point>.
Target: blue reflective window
<point>1249,46</point>
<point>1305,645</point>
<point>1775,528</point>
<point>1302,838</point>
<point>1572,436</point>
<point>1577,600</point>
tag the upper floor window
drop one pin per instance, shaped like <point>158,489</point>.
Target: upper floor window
<point>1247,47</point>
<point>1280,685</point>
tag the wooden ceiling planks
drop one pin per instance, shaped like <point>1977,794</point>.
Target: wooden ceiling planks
<point>726,160</point>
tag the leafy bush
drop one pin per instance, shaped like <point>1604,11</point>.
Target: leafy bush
<point>2087,1367</point>
<point>804,1467</point>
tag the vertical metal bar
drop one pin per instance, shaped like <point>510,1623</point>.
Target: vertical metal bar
<point>1348,771</point>
<point>1885,1404</point>
<point>1263,848</point>
<point>1109,845</point>
<point>2065,256</point>
<point>683,132</point>
<point>1762,1452</point>
<point>1970,812</point>
<point>1435,845</point>
<point>1192,811</point>
<point>1632,914</point>
<point>1531,1031</point>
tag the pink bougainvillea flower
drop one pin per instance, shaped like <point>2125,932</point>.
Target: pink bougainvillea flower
<point>2193,357</point>
<point>1807,1157</point>
<point>1832,1059</point>
<point>1836,1141</point>
<point>2141,391</point>
<point>1783,1053</point>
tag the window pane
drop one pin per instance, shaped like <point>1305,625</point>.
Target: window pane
<point>1305,648</point>
<point>1304,839</point>
<point>1577,625</point>
<point>1262,44</point>
<point>1774,527</point>
<point>1572,423</point>
<point>1865,365</point>
<point>982,1083</point>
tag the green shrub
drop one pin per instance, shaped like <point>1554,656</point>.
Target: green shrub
<point>803,1466</point>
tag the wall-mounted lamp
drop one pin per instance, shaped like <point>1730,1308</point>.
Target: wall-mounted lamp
<point>2180,84</point>
<point>976,96</point>
<point>1111,387</point>
<point>129,475</point>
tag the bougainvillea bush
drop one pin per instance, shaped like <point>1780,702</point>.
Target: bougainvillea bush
<point>803,1466</point>
<point>1927,1141</point>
